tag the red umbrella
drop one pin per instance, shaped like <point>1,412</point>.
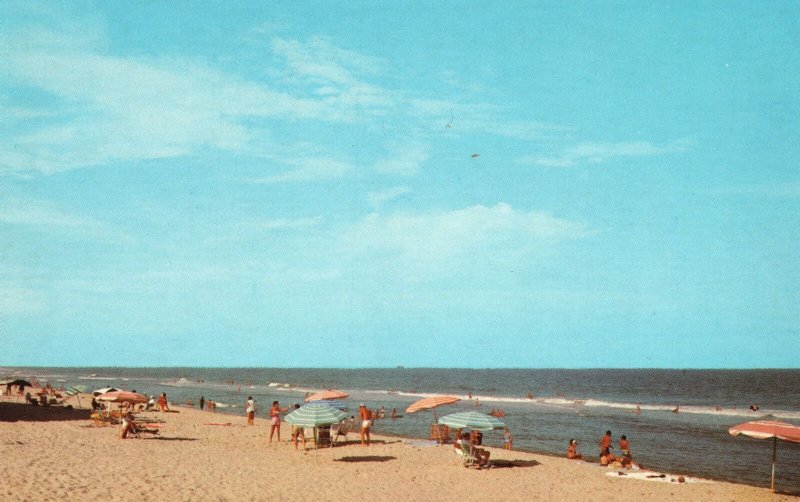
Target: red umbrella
<point>326,395</point>
<point>122,396</point>
<point>431,403</point>
<point>765,429</point>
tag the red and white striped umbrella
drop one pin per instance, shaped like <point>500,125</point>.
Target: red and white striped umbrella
<point>430,403</point>
<point>768,429</point>
<point>122,396</point>
<point>326,395</point>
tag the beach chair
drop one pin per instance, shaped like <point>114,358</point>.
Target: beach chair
<point>336,431</point>
<point>440,433</point>
<point>464,452</point>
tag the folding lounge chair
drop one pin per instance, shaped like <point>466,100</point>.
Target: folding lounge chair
<point>337,431</point>
<point>465,453</point>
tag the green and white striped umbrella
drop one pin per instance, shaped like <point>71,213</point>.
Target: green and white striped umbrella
<point>314,415</point>
<point>75,389</point>
<point>472,420</point>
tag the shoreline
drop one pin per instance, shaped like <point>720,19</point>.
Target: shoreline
<point>205,462</point>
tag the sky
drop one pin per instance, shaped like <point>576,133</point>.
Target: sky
<point>373,184</point>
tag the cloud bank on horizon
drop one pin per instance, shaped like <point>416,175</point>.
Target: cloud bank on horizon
<point>231,185</point>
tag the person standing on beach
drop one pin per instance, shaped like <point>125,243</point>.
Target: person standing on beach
<point>162,402</point>
<point>275,420</point>
<point>625,446</point>
<point>202,402</point>
<point>366,423</point>
<point>605,442</point>
<point>507,440</point>
<point>298,432</point>
<point>250,409</point>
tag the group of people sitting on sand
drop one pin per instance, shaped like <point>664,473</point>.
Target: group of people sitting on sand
<point>607,458</point>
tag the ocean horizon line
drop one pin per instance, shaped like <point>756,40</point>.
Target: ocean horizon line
<point>504,368</point>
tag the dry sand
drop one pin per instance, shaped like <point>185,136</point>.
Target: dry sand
<point>61,456</point>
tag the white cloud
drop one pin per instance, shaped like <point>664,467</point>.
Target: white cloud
<point>307,169</point>
<point>377,199</point>
<point>321,61</point>
<point>43,216</point>
<point>787,190</point>
<point>285,223</point>
<point>405,160</point>
<point>495,232</point>
<point>20,300</point>
<point>595,153</point>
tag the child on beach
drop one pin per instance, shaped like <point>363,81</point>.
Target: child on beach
<point>250,409</point>
<point>507,441</point>
<point>572,450</point>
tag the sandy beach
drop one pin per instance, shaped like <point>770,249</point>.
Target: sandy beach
<point>58,454</point>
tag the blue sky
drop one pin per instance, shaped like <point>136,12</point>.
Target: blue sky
<point>517,184</point>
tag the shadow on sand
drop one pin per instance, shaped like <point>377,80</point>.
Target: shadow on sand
<point>501,464</point>
<point>365,458</point>
<point>19,412</point>
<point>160,438</point>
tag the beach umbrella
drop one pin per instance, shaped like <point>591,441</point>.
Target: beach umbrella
<point>75,390</point>
<point>19,381</point>
<point>767,429</point>
<point>120,396</point>
<point>472,420</point>
<point>333,403</point>
<point>326,395</point>
<point>431,403</point>
<point>103,391</point>
<point>315,415</point>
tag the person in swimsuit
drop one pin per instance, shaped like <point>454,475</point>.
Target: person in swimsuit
<point>507,440</point>
<point>250,409</point>
<point>605,441</point>
<point>624,445</point>
<point>366,423</point>
<point>162,402</point>
<point>298,432</point>
<point>275,420</point>
<point>572,450</point>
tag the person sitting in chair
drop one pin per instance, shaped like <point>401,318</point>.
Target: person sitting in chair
<point>128,427</point>
<point>479,454</point>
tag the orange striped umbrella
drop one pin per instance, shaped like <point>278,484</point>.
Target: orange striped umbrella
<point>768,429</point>
<point>430,403</point>
<point>327,394</point>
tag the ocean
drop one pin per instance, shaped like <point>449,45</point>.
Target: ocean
<point>580,404</point>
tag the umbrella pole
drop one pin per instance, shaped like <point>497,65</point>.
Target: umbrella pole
<point>438,429</point>
<point>774,449</point>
